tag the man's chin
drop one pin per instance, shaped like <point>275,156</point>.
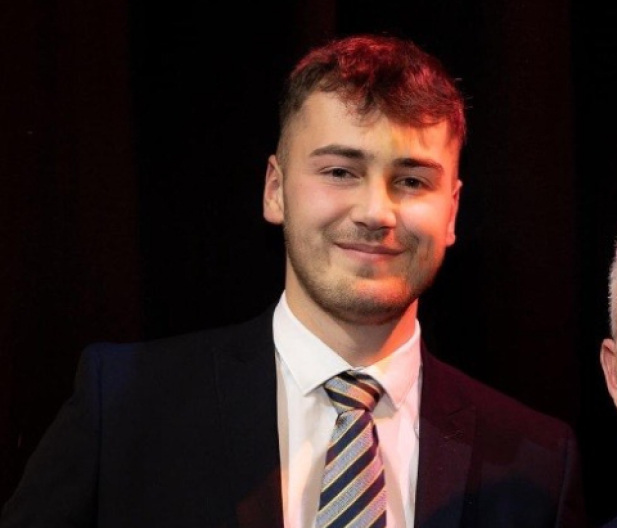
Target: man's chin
<point>371,308</point>
<point>370,317</point>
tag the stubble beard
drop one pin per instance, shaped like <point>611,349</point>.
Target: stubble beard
<point>352,298</point>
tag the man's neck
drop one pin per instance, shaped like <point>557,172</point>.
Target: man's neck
<point>358,344</point>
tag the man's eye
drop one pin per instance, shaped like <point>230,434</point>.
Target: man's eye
<point>412,183</point>
<point>339,173</point>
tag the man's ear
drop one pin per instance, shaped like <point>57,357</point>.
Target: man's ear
<point>273,204</point>
<point>608,360</point>
<point>455,199</point>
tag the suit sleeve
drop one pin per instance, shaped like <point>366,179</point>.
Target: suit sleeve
<point>59,485</point>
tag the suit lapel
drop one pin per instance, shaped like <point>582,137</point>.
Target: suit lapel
<point>447,425</point>
<point>246,379</point>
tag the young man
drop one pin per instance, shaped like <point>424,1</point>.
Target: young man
<point>240,426</point>
<point>608,350</point>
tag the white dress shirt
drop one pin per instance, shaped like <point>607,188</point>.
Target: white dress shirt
<point>306,419</point>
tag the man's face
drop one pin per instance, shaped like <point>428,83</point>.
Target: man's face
<point>368,208</point>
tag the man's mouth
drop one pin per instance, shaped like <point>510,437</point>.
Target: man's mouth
<point>372,249</point>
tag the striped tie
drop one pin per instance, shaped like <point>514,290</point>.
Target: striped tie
<point>353,492</point>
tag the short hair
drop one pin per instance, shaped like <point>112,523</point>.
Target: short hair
<point>377,72</point>
<point>612,293</point>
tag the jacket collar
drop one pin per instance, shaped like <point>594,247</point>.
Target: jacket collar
<point>246,380</point>
<point>447,429</point>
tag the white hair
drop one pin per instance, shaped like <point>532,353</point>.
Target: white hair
<point>612,294</point>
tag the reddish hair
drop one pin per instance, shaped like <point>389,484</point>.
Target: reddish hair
<point>378,72</point>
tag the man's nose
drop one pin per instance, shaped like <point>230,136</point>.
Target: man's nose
<point>375,207</point>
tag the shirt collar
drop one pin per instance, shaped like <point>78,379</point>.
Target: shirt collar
<point>311,362</point>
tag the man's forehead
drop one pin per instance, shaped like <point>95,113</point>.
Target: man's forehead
<point>321,108</point>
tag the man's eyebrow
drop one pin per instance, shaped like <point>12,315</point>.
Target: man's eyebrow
<point>410,163</point>
<point>340,150</point>
<point>359,154</point>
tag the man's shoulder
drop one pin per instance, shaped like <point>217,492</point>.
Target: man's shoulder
<point>492,405</point>
<point>173,367</point>
<point>187,347</point>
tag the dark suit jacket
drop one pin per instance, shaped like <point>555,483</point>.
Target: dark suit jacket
<point>611,524</point>
<point>182,433</point>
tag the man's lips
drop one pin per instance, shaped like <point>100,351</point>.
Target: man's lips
<point>371,249</point>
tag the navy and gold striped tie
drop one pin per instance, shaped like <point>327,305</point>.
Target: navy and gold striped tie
<point>353,492</point>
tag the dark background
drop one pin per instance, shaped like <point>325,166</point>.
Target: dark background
<point>134,138</point>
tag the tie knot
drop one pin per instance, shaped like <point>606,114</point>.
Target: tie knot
<point>353,390</point>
